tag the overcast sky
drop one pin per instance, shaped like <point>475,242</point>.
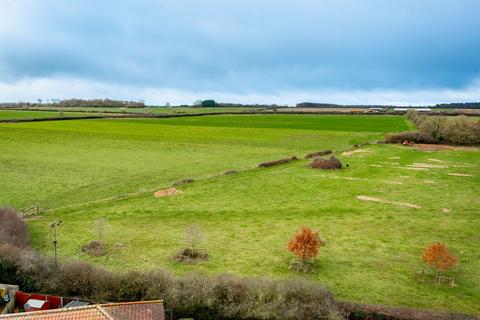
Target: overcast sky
<point>261,51</point>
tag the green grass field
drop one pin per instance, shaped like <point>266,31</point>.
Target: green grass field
<point>20,114</point>
<point>80,171</point>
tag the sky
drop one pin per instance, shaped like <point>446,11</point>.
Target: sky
<point>406,52</point>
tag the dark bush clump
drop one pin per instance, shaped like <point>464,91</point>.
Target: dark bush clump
<point>327,164</point>
<point>183,181</point>
<point>276,162</point>
<point>228,172</point>
<point>318,154</point>
<point>13,230</point>
<point>409,136</point>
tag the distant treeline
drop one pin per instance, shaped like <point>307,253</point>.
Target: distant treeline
<point>79,103</point>
<point>464,105</point>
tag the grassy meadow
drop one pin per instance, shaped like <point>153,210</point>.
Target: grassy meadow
<point>81,171</point>
<point>21,114</point>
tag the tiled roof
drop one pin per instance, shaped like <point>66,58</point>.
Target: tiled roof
<point>142,310</point>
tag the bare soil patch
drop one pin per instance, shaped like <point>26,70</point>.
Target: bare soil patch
<point>416,168</point>
<point>460,174</point>
<point>435,160</point>
<point>167,192</point>
<point>380,200</point>
<point>426,165</point>
<point>191,255</point>
<point>350,153</point>
<point>95,248</point>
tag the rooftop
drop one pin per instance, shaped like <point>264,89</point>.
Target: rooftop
<point>141,310</point>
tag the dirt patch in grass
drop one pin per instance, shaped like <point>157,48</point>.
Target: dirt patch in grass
<point>426,165</point>
<point>396,203</point>
<point>435,160</point>
<point>460,174</point>
<point>167,192</point>
<point>350,153</point>
<point>191,255</point>
<point>95,248</point>
<point>446,210</point>
<point>429,181</point>
<point>416,168</point>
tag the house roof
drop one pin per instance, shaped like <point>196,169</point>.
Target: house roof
<point>142,310</point>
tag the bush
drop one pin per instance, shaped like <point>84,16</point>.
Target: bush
<point>437,256</point>
<point>13,230</point>
<point>409,136</point>
<point>276,162</point>
<point>459,130</point>
<point>327,164</point>
<point>318,154</point>
<point>305,245</point>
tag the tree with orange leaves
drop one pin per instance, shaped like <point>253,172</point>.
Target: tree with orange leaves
<point>438,257</point>
<point>305,245</point>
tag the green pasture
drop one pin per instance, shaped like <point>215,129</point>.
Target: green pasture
<point>20,114</point>
<point>81,171</point>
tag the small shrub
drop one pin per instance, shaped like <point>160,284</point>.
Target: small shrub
<point>318,154</point>
<point>183,182</point>
<point>437,256</point>
<point>327,164</point>
<point>305,245</point>
<point>228,172</point>
<point>13,230</point>
<point>276,162</point>
<point>193,237</point>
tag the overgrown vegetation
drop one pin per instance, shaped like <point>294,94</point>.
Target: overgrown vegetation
<point>459,130</point>
<point>195,295</point>
<point>13,230</point>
